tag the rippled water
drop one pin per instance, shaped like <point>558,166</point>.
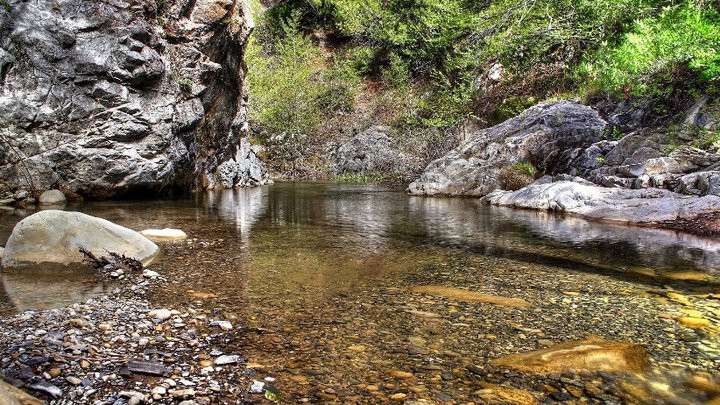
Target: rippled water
<point>317,278</point>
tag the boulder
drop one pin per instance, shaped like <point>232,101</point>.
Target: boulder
<point>243,169</point>
<point>10,395</point>
<point>372,152</point>
<point>102,98</point>
<point>651,206</point>
<point>56,236</point>
<point>52,197</point>
<point>548,136</point>
<point>160,235</point>
<point>592,355</point>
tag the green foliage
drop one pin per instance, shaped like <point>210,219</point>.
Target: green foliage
<point>186,84</point>
<point>525,168</point>
<point>294,89</point>
<point>682,36</point>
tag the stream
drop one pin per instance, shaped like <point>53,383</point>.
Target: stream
<point>321,282</point>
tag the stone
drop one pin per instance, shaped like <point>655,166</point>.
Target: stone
<point>13,396</point>
<point>472,296</point>
<point>540,135</point>
<point>371,152</point>
<point>56,236</point>
<point>592,355</point>
<point>650,207</point>
<point>227,359</point>
<point>243,169</point>
<point>46,388</point>
<point>161,235</point>
<point>74,380</point>
<point>160,314</point>
<point>100,99</point>
<point>224,325</point>
<point>52,197</point>
<point>147,367</point>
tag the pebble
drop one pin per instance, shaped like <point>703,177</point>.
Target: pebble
<point>227,359</point>
<point>224,325</point>
<point>160,314</point>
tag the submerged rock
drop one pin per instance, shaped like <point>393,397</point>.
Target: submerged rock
<point>465,295</point>
<point>592,354</point>
<point>652,207</point>
<point>56,237</point>
<point>545,136</point>
<point>160,235</point>
<point>10,395</point>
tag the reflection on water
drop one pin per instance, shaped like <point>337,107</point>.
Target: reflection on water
<point>318,280</point>
<point>342,226</point>
<point>48,286</point>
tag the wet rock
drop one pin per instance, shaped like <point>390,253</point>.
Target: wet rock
<point>593,354</point>
<point>57,236</point>
<point>224,325</point>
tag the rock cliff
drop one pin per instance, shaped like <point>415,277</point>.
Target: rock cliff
<point>101,98</point>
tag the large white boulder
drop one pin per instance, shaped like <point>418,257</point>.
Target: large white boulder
<point>56,236</point>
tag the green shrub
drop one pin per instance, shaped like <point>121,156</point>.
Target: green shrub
<point>683,36</point>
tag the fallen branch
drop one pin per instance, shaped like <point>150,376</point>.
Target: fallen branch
<point>112,261</point>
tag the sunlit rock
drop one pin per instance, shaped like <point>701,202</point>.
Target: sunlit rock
<point>592,354</point>
<point>56,237</point>
<point>167,234</point>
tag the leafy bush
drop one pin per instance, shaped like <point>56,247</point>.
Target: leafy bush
<point>294,90</point>
<point>517,176</point>
<point>683,36</point>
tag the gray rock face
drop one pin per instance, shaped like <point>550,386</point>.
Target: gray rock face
<point>643,207</point>
<point>105,97</point>
<point>372,152</point>
<point>54,236</point>
<point>549,136</point>
<point>243,169</point>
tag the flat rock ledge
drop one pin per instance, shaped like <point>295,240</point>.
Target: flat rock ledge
<point>645,207</point>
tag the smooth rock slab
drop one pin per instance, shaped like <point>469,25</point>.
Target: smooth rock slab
<point>167,234</point>
<point>650,206</point>
<point>54,236</point>
<point>592,354</point>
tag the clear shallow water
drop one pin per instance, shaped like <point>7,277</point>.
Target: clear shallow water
<point>316,278</point>
<point>344,227</point>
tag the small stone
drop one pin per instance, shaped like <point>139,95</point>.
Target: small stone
<point>401,374</point>
<point>104,327</point>
<point>147,367</point>
<point>227,359</point>
<point>160,314</point>
<point>398,397</point>
<point>692,322</point>
<point>84,364</point>
<point>74,380</point>
<point>159,391</point>
<point>47,388</point>
<point>257,387</point>
<point>54,372</point>
<point>224,325</point>
<point>150,274</point>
